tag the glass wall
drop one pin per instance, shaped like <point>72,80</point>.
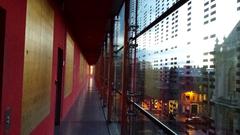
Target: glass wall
<point>115,127</point>
<point>188,64</point>
<point>118,47</point>
<point>149,10</point>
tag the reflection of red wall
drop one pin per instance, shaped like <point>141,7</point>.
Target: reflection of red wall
<point>13,69</point>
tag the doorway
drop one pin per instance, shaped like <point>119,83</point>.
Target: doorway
<point>2,38</point>
<point>59,87</point>
<point>194,109</point>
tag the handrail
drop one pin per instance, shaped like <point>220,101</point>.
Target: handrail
<point>157,122</point>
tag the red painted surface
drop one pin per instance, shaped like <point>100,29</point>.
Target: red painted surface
<point>88,29</point>
<point>87,23</point>
<point>69,100</point>
<point>13,69</point>
<point>13,62</point>
<point>125,72</point>
<point>46,127</point>
<point>110,73</point>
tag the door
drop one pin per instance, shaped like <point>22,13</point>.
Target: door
<point>2,37</point>
<point>59,87</point>
<point>194,109</point>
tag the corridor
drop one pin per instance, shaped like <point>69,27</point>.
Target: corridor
<point>120,67</point>
<point>86,115</point>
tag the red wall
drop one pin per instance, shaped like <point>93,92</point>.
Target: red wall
<point>78,83</point>
<point>13,62</point>
<point>46,127</point>
<point>13,69</point>
<point>68,101</point>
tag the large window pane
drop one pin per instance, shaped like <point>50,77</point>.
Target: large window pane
<point>188,68</point>
<point>149,10</point>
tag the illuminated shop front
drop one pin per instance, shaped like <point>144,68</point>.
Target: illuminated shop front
<point>192,102</point>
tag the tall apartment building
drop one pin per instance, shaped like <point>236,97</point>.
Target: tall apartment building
<point>190,58</point>
<point>187,37</point>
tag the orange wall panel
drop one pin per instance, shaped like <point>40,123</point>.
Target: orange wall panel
<point>37,74</point>
<point>69,66</point>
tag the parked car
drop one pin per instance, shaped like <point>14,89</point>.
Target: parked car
<point>195,120</point>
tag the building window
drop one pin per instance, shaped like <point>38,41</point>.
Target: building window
<point>205,4</point>
<point>214,12</point>
<point>205,38</point>
<point>213,19</point>
<point>205,60</point>
<point>213,36</point>
<point>205,10</point>
<point>213,6</point>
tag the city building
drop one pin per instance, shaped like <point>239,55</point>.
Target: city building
<point>119,67</point>
<point>227,64</point>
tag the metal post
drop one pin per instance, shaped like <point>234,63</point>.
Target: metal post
<point>101,81</point>
<point>135,49</point>
<point>105,72</point>
<point>110,73</point>
<point>132,93</point>
<point>124,72</point>
<point>134,66</point>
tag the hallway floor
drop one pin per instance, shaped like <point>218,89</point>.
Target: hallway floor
<point>86,116</point>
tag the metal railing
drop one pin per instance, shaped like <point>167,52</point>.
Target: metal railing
<point>151,117</point>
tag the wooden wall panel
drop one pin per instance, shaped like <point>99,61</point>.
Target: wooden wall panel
<point>69,67</point>
<point>37,64</point>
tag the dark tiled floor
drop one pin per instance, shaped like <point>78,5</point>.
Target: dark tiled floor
<point>85,118</point>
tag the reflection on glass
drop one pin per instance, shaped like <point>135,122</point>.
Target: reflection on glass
<point>143,126</point>
<point>119,42</point>
<point>149,10</point>
<point>188,67</point>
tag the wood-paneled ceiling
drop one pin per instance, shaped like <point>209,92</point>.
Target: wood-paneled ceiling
<point>88,21</point>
